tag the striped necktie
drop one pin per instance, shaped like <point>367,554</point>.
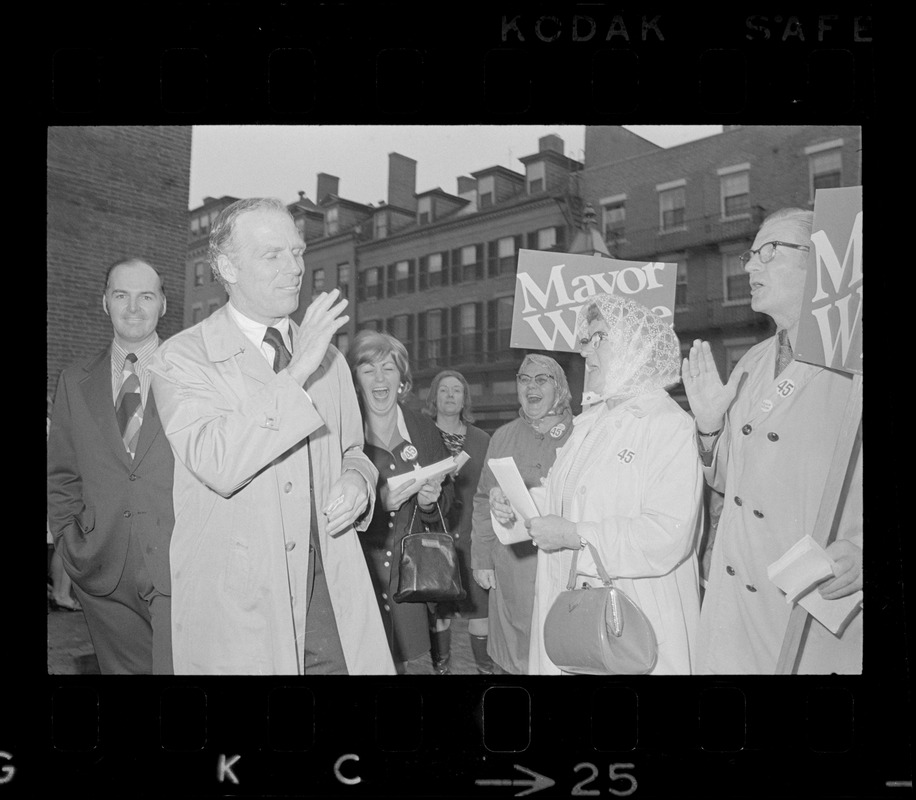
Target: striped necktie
<point>784,355</point>
<point>128,408</point>
<point>282,356</point>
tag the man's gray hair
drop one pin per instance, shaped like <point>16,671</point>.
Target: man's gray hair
<point>801,219</point>
<point>221,233</point>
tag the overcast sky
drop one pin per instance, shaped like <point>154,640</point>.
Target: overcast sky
<point>281,160</point>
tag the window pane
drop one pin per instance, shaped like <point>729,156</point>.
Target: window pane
<point>469,255</point>
<point>735,184</point>
<point>547,238</point>
<point>828,180</point>
<point>737,281</point>
<point>671,204</point>
<point>506,247</point>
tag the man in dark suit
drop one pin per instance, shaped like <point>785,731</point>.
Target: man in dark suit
<point>110,471</point>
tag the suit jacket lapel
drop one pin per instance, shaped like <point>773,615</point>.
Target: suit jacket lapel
<point>150,429</point>
<point>96,388</point>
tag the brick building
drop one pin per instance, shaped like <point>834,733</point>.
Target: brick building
<point>203,294</point>
<point>700,204</point>
<point>113,192</point>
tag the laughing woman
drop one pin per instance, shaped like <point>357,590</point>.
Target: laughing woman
<point>396,440</point>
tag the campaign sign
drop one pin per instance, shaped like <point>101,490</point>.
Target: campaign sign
<point>830,328</point>
<point>551,287</point>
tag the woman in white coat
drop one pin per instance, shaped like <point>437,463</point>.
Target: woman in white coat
<point>628,481</point>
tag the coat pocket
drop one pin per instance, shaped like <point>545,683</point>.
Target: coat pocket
<point>85,520</point>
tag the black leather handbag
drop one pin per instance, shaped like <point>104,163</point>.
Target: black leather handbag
<point>598,630</point>
<point>428,566</point>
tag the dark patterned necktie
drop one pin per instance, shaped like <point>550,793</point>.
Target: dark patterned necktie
<point>784,355</point>
<point>128,408</point>
<point>282,356</point>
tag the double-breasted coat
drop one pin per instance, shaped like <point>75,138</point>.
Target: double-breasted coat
<point>240,546</point>
<point>771,462</point>
<point>406,624</point>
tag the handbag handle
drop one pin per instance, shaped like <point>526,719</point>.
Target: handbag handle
<point>602,572</point>
<point>416,506</point>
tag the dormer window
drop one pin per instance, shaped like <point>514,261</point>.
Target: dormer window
<point>486,191</point>
<point>425,210</point>
<point>535,177</point>
<point>331,221</point>
<point>381,225</point>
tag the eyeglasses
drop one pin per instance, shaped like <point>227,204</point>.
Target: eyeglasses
<point>540,379</point>
<point>767,251</point>
<point>594,341</point>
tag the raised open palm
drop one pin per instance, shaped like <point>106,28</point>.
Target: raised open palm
<point>709,398</point>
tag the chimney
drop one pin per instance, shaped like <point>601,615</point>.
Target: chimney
<point>550,142</point>
<point>466,185</point>
<point>402,182</point>
<point>327,184</point>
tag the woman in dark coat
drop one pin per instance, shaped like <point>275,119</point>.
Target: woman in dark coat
<point>449,403</point>
<point>397,439</point>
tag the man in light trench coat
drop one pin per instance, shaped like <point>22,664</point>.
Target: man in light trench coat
<point>766,439</point>
<point>271,483</point>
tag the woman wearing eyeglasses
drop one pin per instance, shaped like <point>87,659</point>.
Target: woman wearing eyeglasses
<point>449,404</point>
<point>628,482</point>
<point>508,571</point>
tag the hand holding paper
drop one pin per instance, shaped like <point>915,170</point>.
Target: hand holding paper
<point>797,573</point>
<point>510,481</point>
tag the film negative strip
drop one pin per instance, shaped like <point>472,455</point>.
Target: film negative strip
<point>482,736</point>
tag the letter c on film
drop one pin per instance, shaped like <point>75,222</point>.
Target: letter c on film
<point>6,774</point>
<point>339,775</point>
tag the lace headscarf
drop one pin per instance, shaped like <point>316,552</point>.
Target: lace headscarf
<point>563,399</point>
<point>645,351</point>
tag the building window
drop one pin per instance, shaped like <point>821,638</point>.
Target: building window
<point>343,279</point>
<point>735,191</point>
<point>536,177</point>
<point>199,271</point>
<point>736,281</point>
<point>431,338</point>
<point>424,210</point>
<point>300,226</point>
<point>613,217</point>
<point>332,224</point>
<point>212,305</point>
<point>195,226</point>
<point>197,313</point>
<point>467,263</point>
<point>432,271</point>
<point>486,187</point>
<point>547,238</point>
<point>371,325</point>
<point>204,224</point>
<point>499,328</point>
<point>342,342</point>
<point>671,206</point>
<point>825,165</point>
<point>502,255</point>
<point>318,281</point>
<point>400,278</point>
<point>680,287</point>
<point>467,332</point>
<point>381,225</point>
<point>371,284</point>
<point>401,328</point>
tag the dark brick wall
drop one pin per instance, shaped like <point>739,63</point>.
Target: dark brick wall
<point>113,192</point>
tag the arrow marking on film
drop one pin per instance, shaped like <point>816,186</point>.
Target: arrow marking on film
<point>539,782</point>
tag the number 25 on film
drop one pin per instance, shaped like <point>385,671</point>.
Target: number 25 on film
<point>629,782</point>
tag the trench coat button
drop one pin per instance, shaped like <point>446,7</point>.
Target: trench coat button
<point>730,570</point>
<point>758,514</point>
<point>288,488</point>
<point>773,437</point>
<point>387,607</point>
<point>127,513</point>
<point>751,588</point>
<point>537,466</point>
<point>131,477</point>
<point>391,514</point>
<point>386,564</point>
<point>384,596</point>
<point>457,535</point>
<point>738,501</point>
<point>390,524</point>
<point>388,553</point>
<point>391,466</point>
<point>289,546</point>
<point>746,429</point>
